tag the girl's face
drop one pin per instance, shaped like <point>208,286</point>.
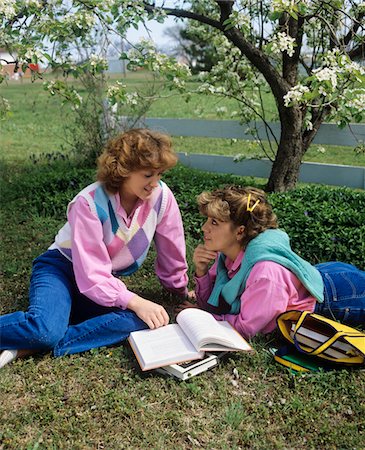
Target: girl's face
<point>222,237</point>
<point>141,183</point>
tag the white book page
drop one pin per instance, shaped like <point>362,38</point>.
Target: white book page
<point>206,332</point>
<point>315,344</point>
<point>162,346</point>
<point>322,338</point>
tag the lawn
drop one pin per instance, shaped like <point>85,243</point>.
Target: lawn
<point>100,399</point>
<point>39,123</point>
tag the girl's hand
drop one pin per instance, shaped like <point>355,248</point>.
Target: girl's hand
<point>201,259</point>
<point>151,313</point>
<point>184,305</point>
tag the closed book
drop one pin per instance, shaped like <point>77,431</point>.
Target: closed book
<point>311,343</point>
<point>319,337</point>
<point>185,371</point>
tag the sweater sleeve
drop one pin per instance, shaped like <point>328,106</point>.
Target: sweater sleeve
<point>204,286</point>
<point>91,261</point>
<point>171,265</point>
<point>261,303</point>
<point>271,289</point>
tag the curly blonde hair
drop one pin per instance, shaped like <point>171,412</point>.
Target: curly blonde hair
<point>134,150</point>
<point>245,206</point>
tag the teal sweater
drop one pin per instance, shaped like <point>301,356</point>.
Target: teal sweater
<point>271,245</point>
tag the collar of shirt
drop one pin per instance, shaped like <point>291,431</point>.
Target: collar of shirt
<point>233,266</point>
<point>122,212</point>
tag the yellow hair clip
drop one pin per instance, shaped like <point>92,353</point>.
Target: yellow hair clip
<point>248,208</point>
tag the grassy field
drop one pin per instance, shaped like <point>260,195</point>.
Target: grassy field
<point>100,399</point>
<point>39,123</point>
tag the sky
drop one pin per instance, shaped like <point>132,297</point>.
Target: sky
<point>156,32</point>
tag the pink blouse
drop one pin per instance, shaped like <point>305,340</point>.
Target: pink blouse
<point>271,289</point>
<point>91,261</point>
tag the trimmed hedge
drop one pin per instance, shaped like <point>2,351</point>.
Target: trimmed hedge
<point>323,223</point>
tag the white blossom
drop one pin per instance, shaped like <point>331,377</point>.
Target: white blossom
<point>178,82</point>
<point>80,19</point>
<point>33,53</point>
<point>283,5</point>
<point>7,8</point>
<point>5,104</point>
<point>35,3</point>
<point>240,19</point>
<point>283,43</point>
<point>115,89</point>
<point>322,91</point>
<point>326,74</point>
<point>308,125</point>
<point>295,94</point>
<point>77,100</point>
<point>358,102</point>
<point>96,60</point>
<point>50,86</point>
<point>107,4</point>
<point>221,110</point>
<point>131,98</point>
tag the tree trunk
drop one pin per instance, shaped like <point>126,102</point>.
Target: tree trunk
<point>285,170</point>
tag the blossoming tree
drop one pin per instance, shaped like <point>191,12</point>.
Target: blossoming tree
<point>302,51</point>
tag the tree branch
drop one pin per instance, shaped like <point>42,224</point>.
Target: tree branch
<point>186,15</point>
<point>290,63</point>
<point>354,28</point>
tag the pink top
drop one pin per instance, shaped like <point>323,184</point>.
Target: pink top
<point>271,289</point>
<point>92,264</point>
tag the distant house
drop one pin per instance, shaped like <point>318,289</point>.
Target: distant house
<point>8,66</point>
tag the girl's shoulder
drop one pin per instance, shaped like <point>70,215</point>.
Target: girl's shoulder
<point>270,270</point>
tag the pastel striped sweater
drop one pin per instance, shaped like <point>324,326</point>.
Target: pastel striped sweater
<point>127,246</point>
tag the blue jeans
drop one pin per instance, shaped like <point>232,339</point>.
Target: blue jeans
<point>59,317</point>
<point>344,293</point>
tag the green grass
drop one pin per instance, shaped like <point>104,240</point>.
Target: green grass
<point>38,124</point>
<point>100,399</point>
<point>332,155</point>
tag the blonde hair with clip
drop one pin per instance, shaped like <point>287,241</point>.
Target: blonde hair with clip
<point>247,206</point>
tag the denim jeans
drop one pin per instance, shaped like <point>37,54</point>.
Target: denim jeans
<point>59,317</point>
<point>344,293</point>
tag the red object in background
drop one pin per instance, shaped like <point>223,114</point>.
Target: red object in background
<point>33,67</point>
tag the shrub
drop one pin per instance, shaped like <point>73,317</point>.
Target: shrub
<point>323,223</point>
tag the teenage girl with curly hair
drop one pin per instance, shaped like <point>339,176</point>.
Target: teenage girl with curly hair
<point>77,300</point>
<point>256,276</point>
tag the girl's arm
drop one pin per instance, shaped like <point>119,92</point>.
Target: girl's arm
<point>271,289</point>
<point>93,269</point>
<point>204,286</point>
<point>171,265</point>
<point>261,303</point>
<point>91,260</point>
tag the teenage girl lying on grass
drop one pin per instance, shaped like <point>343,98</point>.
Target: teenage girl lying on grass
<point>256,276</point>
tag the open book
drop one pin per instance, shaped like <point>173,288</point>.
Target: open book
<point>195,332</point>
